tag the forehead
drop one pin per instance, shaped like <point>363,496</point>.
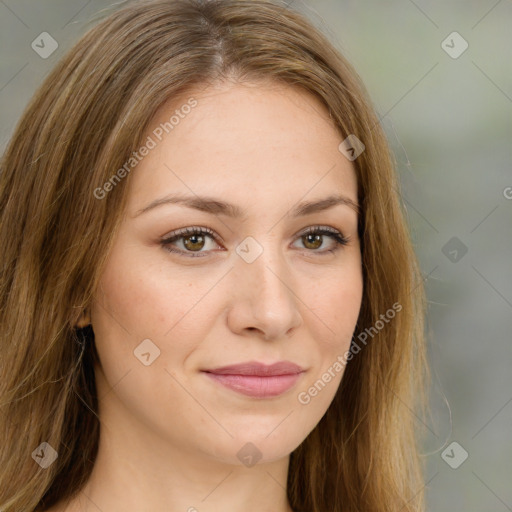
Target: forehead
<point>251,142</point>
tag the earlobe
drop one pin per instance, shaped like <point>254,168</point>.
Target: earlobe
<point>84,320</point>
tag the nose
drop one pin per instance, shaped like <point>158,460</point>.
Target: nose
<point>263,298</point>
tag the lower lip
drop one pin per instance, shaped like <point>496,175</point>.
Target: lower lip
<point>256,386</point>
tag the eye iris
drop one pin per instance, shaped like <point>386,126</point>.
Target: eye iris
<point>316,240</point>
<point>194,244</point>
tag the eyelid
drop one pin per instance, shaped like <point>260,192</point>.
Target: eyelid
<point>191,230</point>
<point>319,227</point>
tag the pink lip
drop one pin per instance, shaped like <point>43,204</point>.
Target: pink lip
<point>256,379</point>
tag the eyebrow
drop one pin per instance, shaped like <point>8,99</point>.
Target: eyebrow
<point>217,207</point>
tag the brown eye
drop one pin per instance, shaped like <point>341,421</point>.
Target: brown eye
<point>312,241</point>
<point>314,237</point>
<point>194,242</point>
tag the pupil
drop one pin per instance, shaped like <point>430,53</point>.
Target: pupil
<point>194,239</point>
<point>314,240</point>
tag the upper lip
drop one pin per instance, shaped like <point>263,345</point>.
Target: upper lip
<point>258,369</point>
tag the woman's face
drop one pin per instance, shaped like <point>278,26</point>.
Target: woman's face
<point>253,166</point>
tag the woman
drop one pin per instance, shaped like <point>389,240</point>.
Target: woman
<point>209,298</point>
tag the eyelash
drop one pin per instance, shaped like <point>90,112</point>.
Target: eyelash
<point>336,235</point>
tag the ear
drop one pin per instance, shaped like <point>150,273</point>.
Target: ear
<point>84,320</point>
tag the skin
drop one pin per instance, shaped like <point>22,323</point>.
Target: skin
<point>169,434</point>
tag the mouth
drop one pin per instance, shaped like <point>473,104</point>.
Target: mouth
<point>257,380</point>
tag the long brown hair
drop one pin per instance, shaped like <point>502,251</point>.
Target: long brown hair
<point>85,121</point>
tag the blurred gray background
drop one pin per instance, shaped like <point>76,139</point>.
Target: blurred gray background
<point>445,100</point>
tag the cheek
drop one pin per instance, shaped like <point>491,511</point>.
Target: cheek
<point>337,308</point>
<point>135,303</point>
<point>140,297</point>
